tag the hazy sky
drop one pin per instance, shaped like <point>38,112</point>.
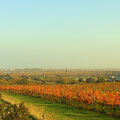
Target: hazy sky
<point>60,33</point>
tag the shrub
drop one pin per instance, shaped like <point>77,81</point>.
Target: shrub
<point>14,112</point>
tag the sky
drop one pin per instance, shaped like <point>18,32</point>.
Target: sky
<point>60,34</point>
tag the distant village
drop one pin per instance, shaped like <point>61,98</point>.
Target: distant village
<point>57,76</point>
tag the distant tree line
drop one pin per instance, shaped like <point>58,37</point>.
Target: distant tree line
<point>92,80</point>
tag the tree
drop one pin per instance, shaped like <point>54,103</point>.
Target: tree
<point>81,79</point>
<point>60,82</point>
<point>91,80</point>
<point>100,80</point>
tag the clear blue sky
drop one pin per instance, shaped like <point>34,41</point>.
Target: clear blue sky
<point>60,33</point>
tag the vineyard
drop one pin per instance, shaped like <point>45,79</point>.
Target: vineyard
<point>104,97</point>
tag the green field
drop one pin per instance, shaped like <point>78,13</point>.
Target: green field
<point>52,111</point>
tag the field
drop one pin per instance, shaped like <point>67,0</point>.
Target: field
<point>51,110</point>
<point>101,98</point>
<point>59,60</point>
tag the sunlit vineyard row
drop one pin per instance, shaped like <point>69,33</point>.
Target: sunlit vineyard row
<point>104,95</point>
